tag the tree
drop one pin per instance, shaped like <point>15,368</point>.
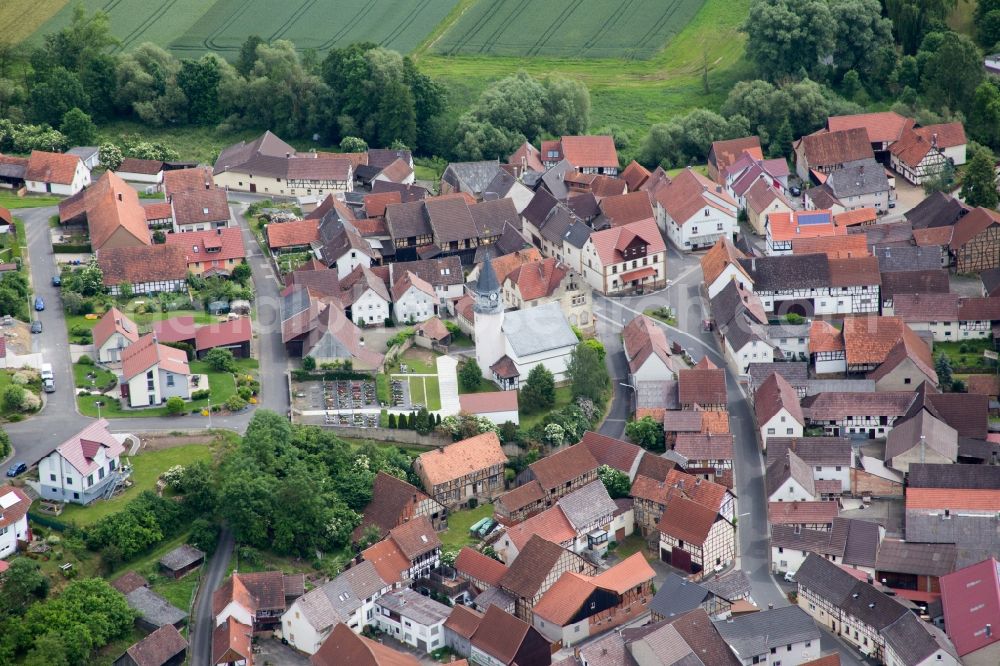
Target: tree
<point>951,70</point>
<point>587,374</point>
<point>470,376</point>
<point>59,92</point>
<point>987,23</point>
<point>372,534</point>
<point>175,405</point>
<point>23,584</point>
<point>199,81</point>
<point>912,18</point>
<point>597,345</point>
<point>13,398</point>
<point>984,116</point>
<point>221,360</point>
<point>646,432</point>
<point>942,366</point>
<point>91,279</point>
<point>204,535</point>
<point>78,128</point>
<point>424,424</point>
<point>567,106</point>
<point>539,390</point>
<point>247,57</point>
<point>785,37</point>
<point>554,434</point>
<point>242,272</point>
<point>392,421</point>
<point>979,186</point>
<point>353,144</point>
<point>126,291</point>
<point>111,156</point>
<point>308,363</point>
<point>5,446</point>
<point>615,481</point>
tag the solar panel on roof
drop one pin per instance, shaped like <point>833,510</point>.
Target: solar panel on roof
<point>814,218</point>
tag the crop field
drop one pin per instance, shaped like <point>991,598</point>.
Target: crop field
<point>629,29</point>
<point>192,27</point>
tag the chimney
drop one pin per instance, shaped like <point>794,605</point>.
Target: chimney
<point>934,140</point>
<point>287,155</point>
<point>871,579</point>
<point>753,264</point>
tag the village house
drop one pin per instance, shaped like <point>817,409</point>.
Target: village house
<point>444,274</point>
<point>739,316</point>
<point>113,332</point>
<point>777,409</point>
<point>911,282</point>
<point>964,516</point>
<point>470,469</point>
<point>721,265</point>
<point>348,599</point>
<point>469,177</point>
<point>577,607</point>
<point>152,372</point>
<point>813,284</point>
<point>948,316</point>
<point>412,619</point>
<point>647,351</point>
<point>270,166</point>
<point>84,467</point>
<point>211,253</point>
<point>761,201</point>
<point>498,406</point>
<point>829,458</point>
<point>695,212</point>
<point>147,269</point>
<point>112,212</point>
<point>55,173</point>
<point>14,505</point>
<point>702,387</point>
<point>561,472</point>
<point>181,561</point>
<point>537,567</point>
<point>504,640</point>
<point>923,152</point>
<point>291,236</point>
<point>414,300</point>
<point>163,647</point>
<point>921,438</point>
<point>808,515</point>
<point>723,154</point>
<point>552,227</point>
<point>631,258</point>
<point>871,414</point>
<point>824,152</point>
<point>695,537</point>
<point>199,210</point>
<point>914,570</point>
<point>882,128</point>
<point>772,636</point>
<point>857,185</point>
<point>255,600</point>
<point>586,154</point>
<point>547,281</point>
<point>340,246</point>
<point>317,326</point>
<point>849,542</point>
<point>971,601</point>
<point>481,571</point>
<point>345,646</point>
<point>783,228</point>
<point>365,297</point>
<point>135,170</point>
<point>395,502</point>
<point>709,455</point>
<point>975,241</point>
<point>410,551</point>
<point>651,497</point>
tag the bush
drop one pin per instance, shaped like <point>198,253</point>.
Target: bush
<point>85,360</point>
<point>251,556</point>
<point>200,395</point>
<point>308,363</point>
<point>221,360</point>
<point>204,535</point>
<point>13,398</point>
<point>235,403</point>
<point>176,406</point>
<point>244,392</point>
<point>4,444</point>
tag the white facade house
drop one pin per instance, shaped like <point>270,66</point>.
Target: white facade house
<point>14,506</point>
<point>366,296</point>
<point>413,299</point>
<point>112,334</point>
<point>412,618</point>
<point>55,173</point>
<point>695,212</point>
<point>732,272</point>
<point>82,468</point>
<point>152,372</point>
<point>349,599</point>
<point>370,308</point>
<point>745,348</point>
<point>775,636</point>
<point>782,424</point>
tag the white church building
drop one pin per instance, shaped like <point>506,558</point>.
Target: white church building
<point>510,344</point>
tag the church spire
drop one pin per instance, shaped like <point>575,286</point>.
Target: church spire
<point>487,291</point>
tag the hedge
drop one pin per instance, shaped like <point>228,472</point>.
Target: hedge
<point>68,248</point>
<point>328,375</point>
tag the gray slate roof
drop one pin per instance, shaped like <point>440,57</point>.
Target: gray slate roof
<point>677,595</point>
<point>536,330</point>
<point>858,178</point>
<point>756,633</point>
<point>813,450</point>
<point>181,556</point>
<point>825,578</point>
<point>872,607</point>
<point>927,475</point>
<point>894,259</point>
<point>587,505</point>
<point>914,640</point>
<point>335,600</point>
<point>734,585</point>
<point>471,177</point>
<point>153,608</point>
<point>415,606</point>
<point>927,559</point>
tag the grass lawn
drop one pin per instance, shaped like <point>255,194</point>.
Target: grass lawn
<point>415,364</point>
<point>461,341</point>
<point>221,384</point>
<point>457,534</point>
<point>653,312</point>
<point>382,387</point>
<point>433,393</point>
<point>967,356</point>
<point>146,469</point>
<point>142,320</point>
<point>10,200</point>
<point>107,655</point>
<point>417,396</point>
<point>180,593</point>
<point>528,421</point>
<point>425,172</point>
<point>485,386</point>
<point>412,451</point>
<point>632,544</point>
<point>101,377</point>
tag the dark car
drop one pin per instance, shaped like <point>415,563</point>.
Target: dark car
<point>39,303</point>
<point>56,280</point>
<point>36,326</point>
<point>795,191</point>
<point>17,468</point>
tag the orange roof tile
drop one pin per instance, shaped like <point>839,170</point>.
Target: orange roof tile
<point>952,498</point>
<point>461,458</point>
<point>868,339</point>
<point>851,218</point>
<point>881,127</point>
<point>687,520</point>
<point>634,175</point>
<point>590,151</point>
<point>834,247</point>
<point>211,245</point>
<point>51,167</point>
<point>185,180</point>
<point>110,205</point>
<point>722,254</point>
<point>388,560</point>
<point>505,264</point>
<point>538,279</point>
<point>290,234</point>
<point>715,423</point>
<point>375,203</point>
<point>144,353</point>
<point>626,208</point>
<point>789,226</point>
<point>563,600</point>
<point>824,337</point>
<point>551,525</point>
<point>631,572</point>
<point>476,565</point>
<point>114,320</point>
<point>727,152</point>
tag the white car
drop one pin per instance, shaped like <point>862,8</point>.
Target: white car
<point>789,576</point>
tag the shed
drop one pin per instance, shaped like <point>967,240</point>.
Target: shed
<point>154,611</point>
<point>163,647</point>
<point>181,561</point>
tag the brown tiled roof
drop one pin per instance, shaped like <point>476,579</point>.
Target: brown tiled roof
<point>110,204</point>
<point>703,446</point>
<point>538,279</point>
<point>944,135</point>
<point>823,337</point>
<point>554,470</point>
<point>492,217</point>
<point>450,219</point>
<point>464,620</point>
<point>703,638</point>
<point>461,458</point>
<point>610,451</point>
<point>868,339</point>
<point>983,384</point>
<point>611,243</point>
<point>375,203</point>
<point>343,646</point>
<point>551,525</point>
<point>722,254</point>
<point>476,565</point>
<point>634,175</point>
<point>180,180</point>
<point>398,171</point>
<point>939,498</point>
<point>761,194</point>
<point>773,394</point>
<point>715,422</point>
<point>231,642</point>
<point>727,152</point>
<point>687,520</point>
<point>129,581</point>
<point>527,573</point>
<point>854,271</point>
<point>910,347</point>
<point>441,272</point>
<point>501,635</point>
<point>200,206</point>
<point>704,492</point>
<point>158,210</point>
<point>290,234</point>
<point>211,245</point>
<point>590,151</point>
<point>979,308</point>
<point>114,320</point>
<point>486,403</point>
<point>914,282</point>
<point>697,386</point>
<point>626,208</point>
<point>388,560</point>
<point>965,412</point>
<point>881,127</point>
<point>801,513</point>
<point>933,236</point>
<point>390,498</point>
<point>832,659</point>
<point>51,167</point>
<point>136,165</point>
<point>407,280</point>
<point>926,307</point>
<point>142,264</point>
<point>684,196</point>
<point>563,600</point>
<point>158,648</point>
<point>264,590</point>
<point>836,405</point>
<point>830,148</point>
<point>415,537</point>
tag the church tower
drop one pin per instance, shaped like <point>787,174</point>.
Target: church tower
<point>489,318</point>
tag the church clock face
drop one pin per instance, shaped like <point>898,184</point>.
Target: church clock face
<point>493,297</point>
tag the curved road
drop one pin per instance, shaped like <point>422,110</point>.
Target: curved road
<point>684,296</point>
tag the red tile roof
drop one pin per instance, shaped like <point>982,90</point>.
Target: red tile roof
<point>143,354</point>
<point>855,217</point>
<point>950,498</point>
<point>152,263</point>
<point>114,320</point>
<point>687,520</point>
<point>971,225</point>
<point>80,449</point>
<point>182,180</point>
<point>375,203</point>
<point>774,394</point>
<point>136,165</point>
<point>175,329</point>
<point>110,205</point>
<point>702,386</point>
<point>830,148</point>
<point>222,334</point>
<point>343,646</point>
<point>685,195</point>
<point>465,457</point>
<point>56,168</point>
<point>823,337</point>
<point>158,648</point>
<point>971,600</point>
<point>231,643</point>
<point>610,451</point>
<point>722,254</point>
<point>159,210</point>
<point>555,470</point>
<point>611,243</point>
<point>487,403</point>
<point>944,135</point>
<point>474,564</point>
<point>291,234</point>
<point>563,600</point>
<point>520,497</point>
<point>789,226</point>
<point>388,560</point>
<point>211,245</point>
<point>15,507</point>
<point>834,247</point>
<point>538,279</point>
<point>551,525</point>
<point>634,176</point>
<point>868,339</point>
<point>881,127</point>
<point>802,513</point>
<point>626,208</point>
<point>589,151</point>
<point>727,152</point>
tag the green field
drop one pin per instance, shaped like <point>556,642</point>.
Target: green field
<point>192,27</point>
<point>628,29</point>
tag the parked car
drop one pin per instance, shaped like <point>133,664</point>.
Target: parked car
<point>49,386</point>
<point>17,468</point>
<point>56,280</point>
<point>789,576</point>
<point>36,326</point>
<point>47,371</point>
<point>39,304</point>
<point>795,191</point>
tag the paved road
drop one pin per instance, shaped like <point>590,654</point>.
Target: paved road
<point>204,618</point>
<point>684,296</point>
